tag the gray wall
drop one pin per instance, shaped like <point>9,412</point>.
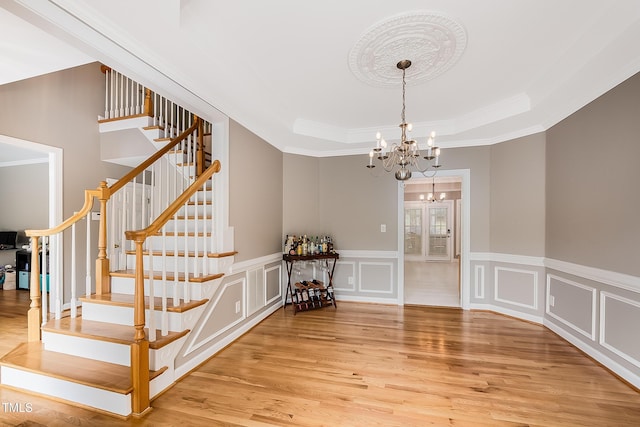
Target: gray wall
<point>16,183</point>
<point>300,196</point>
<point>518,196</point>
<point>592,183</point>
<point>352,203</point>
<point>61,110</point>
<point>255,194</point>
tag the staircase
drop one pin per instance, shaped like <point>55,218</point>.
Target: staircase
<point>112,346</point>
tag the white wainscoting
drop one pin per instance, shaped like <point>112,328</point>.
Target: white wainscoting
<point>593,309</point>
<point>272,287</point>
<point>376,277</point>
<point>624,316</point>
<point>479,281</point>
<point>516,286</point>
<point>344,276</point>
<point>579,300</point>
<point>367,276</point>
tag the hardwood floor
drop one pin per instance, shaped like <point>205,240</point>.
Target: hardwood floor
<point>370,365</point>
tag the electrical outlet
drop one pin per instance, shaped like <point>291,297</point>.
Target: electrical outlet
<point>552,300</point>
<point>350,280</point>
<point>237,307</point>
<point>383,228</point>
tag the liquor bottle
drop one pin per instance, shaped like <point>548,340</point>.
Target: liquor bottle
<point>324,244</point>
<point>305,298</point>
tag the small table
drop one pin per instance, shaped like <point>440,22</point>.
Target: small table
<point>291,259</point>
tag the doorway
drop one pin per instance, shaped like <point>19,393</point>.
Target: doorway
<point>431,241</point>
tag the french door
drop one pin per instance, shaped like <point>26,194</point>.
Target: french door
<point>427,231</point>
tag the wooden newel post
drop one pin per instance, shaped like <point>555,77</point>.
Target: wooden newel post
<point>34,316</point>
<point>103,283</point>
<point>148,103</point>
<point>140,347</point>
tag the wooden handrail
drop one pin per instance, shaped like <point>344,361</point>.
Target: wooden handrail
<point>164,217</point>
<point>158,154</point>
<point>88,204</point>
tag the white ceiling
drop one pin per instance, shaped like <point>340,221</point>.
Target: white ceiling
<point>281,67</point>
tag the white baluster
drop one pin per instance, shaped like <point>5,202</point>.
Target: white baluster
<point>112,112</point>
<point>121,103</point>
<point>187,292</point>
<point>125,99</point>
<point>107,73</point>
<point>88,256</point>
<point>74,312</point>
<point>124,196</point>
<point>196,258</point>
<point>212,212</point>
<point>165,317</point>
<point>151,319</point>
<point>205,253</point>
<point>55,276</point>
<point>43,282</point>
<point>176,283</point>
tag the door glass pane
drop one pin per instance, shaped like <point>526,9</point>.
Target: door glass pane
<point>438,231</point>
<point>413,231</point>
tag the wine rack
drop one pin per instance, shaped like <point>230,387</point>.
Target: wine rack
<point>310,294</point>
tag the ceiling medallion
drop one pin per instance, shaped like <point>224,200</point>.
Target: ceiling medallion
<point>434,43</point>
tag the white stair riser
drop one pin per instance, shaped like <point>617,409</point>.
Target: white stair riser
<point>179,243</point>
<point>105,351</point>
<point>205,265</point>
<point>203,224</point>
<point>190,210</point>
<point>166,355</point>
<point>120,315</point>
<point>73,392</point>
<point>125,285</point>
<point>162,382</point>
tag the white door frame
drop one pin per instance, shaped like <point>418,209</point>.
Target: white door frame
<point>465,236</point>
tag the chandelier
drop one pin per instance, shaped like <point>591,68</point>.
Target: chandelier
<point>431,197</point>
<point>405,157</point>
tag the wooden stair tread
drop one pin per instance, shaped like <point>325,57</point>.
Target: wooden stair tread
<point>182,234</point>
<point>189,254</point>
<point>126,300</point>
<point>170,275</point>
<point>34,358</point>
<point>110,332</point>
<point>191,217</point>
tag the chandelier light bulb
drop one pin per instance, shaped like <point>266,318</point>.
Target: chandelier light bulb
<point>409,127</point>
<point>433,134</point>
<point>430,142</point>
<point>378,136</point>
